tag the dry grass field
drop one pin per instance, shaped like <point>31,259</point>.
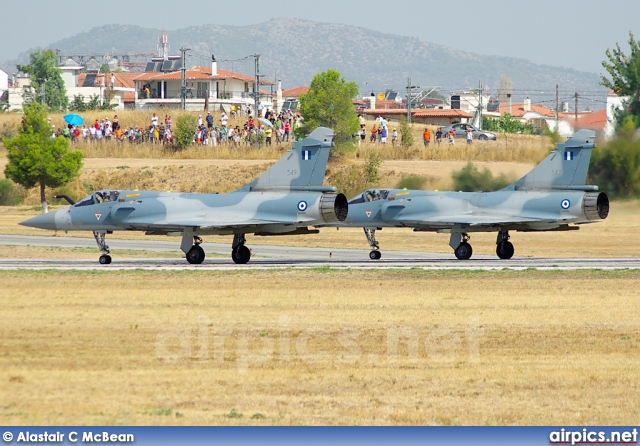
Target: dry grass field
<point>319,347</point>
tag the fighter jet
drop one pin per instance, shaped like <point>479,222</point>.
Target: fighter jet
<point>288,198</point>
<point>551,197</point>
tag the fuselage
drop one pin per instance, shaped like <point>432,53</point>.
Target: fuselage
<point>167,212</point>
<point>530,210</point>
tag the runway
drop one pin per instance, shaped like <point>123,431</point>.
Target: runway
<point>278,257</point>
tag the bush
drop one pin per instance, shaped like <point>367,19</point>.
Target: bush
<point>507,124</point>
<point>10,195</point>
<point>412,182</point>
<point>356,179</point>
<point>183,131</point>
<point>615,168</point>
<point>406,136</point>
<point>8,131</point>
<point>470,179</point>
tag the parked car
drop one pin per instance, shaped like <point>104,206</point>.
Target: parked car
<point>460,130</point>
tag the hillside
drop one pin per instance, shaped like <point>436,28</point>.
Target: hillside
<point>294,50</point>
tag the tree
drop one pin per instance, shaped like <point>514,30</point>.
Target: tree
<point>46,79</point>
<point>329,103</point>
<point>625,81</point>
<point>37,159</point>
<point>615,168</point>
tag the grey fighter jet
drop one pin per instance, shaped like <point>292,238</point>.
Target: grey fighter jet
<point>288,198</point>
<point>551,197</point>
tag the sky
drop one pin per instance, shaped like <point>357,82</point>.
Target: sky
<point>566,33</point>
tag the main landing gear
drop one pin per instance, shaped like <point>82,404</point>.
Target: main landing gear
<point>100,237</point>
<point>239,252</point>
<point>462,249</point>
<point>375,253</point>
<point>504,248</point>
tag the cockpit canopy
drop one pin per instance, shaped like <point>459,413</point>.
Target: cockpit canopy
<point>102,196</point>
<point>370,195</point>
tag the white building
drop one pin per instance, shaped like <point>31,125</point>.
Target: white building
<point>4,82</point>
<point>210,88</point>
<point>614,103</point>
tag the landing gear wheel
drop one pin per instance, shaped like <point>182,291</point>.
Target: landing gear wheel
<point>104,259</point>
<point>505,250</point>
<point>195,255</point>
<point>464,251</point>
<point>375,255</point>
<point>241,254</point>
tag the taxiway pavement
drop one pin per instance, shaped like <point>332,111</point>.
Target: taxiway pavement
<point>275,257</point>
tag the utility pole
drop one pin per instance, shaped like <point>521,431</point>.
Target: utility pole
<point>557,105</point>
<point>183,79</point>
<point>256,88</point>
<point>409,95</point>
<point>480,89</point>
<point>576,107</point>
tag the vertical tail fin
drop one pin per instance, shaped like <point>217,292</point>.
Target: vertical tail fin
<point>303,166</point>
<point>564,168</point>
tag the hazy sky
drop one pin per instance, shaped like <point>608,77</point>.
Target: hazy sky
<point>568,33</point>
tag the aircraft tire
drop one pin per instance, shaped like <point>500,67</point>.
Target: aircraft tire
<point>104,259</point>
<point>464,251</point>
<point>241,255</point>
<point>195,255</point>
<point>375,255</point>
<point>505,250</point>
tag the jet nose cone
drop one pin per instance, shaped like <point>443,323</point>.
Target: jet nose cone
<point>42,221</point>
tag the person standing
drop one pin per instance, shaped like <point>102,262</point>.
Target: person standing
<point>451,135</point>
<point>287,129</point>
<point>268,132</point>
<point>469,136</point>
<point>383,135</point>
<point>209,121</point>
<point>374,133</point>
<point>439,135</point>
<point>394,137</point>
<point>426,137</point>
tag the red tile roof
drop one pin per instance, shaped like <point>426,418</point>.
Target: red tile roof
<point>197,73</point>
<point>122,80</point>
<point>386,112</point>
<point>441,113</point>
<point>596,120</point>
<point>295,92</point>
<point>517,109</point>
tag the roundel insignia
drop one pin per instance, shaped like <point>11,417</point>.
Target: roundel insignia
<point>302,206</point>
<point>565,204</point>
